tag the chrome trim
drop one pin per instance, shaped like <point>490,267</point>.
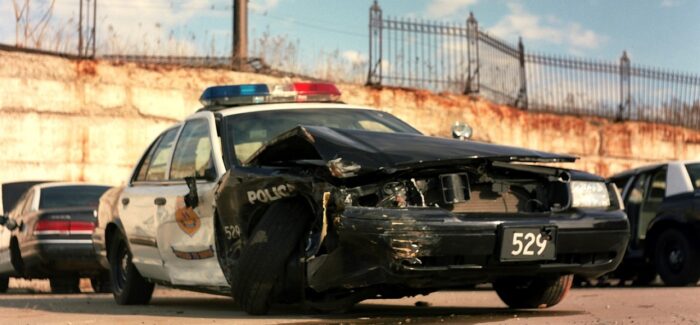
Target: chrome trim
<point>145,241</point>
<point>63,232</point>
<point>60,241</point>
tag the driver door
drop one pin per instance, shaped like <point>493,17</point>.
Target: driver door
<point>185,231</point>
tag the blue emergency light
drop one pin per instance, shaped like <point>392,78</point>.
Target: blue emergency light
<point>234,95</point>
<point>249,94</point>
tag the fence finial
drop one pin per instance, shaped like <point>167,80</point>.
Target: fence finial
<point>624,57</point>
<point>471,19</point>
<point>375,6</point>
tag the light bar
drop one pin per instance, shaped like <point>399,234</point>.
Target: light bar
<point>235,95</point>
<point>316,91</point>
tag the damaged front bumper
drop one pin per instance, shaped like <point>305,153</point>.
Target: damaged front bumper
<point>433,248</point>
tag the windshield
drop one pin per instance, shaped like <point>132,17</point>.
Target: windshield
<point>694,172</point>
<point>70,196</point>
<point>249,131</point>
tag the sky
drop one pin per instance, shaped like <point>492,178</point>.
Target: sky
<point>657,33</point>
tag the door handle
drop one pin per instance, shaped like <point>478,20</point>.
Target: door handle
<point>159,201</point>
<point>125,201</point>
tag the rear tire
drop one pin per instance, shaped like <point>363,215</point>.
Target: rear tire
<point>128,286</point>
<point>677,259</point>
<point>4,283</point>
<point>272,242</point>
<point>533,292</point>
<point>101,283</point>
<point>65,284</point>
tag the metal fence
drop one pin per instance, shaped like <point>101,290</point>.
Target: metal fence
<point>461,58</point>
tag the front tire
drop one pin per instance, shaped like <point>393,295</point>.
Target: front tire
<point>128,286</point>
<point>272,242</point>
<point>533,292</point>
<point>677,259</point>
<point>65,284</point>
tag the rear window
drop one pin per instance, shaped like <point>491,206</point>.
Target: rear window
<point>694,172</point>
<point>70,196</point>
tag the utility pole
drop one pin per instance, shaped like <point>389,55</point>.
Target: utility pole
<point>94,23</point>
<point>80,30</point>
<point>240,34</point>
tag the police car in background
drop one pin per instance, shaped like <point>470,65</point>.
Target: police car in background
<point>283,194</point>
<point>663,205</point>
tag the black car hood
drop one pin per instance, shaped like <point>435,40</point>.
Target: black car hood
<point>373,151</point>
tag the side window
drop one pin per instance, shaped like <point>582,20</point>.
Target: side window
<point>18,209</point>
<point>28,200</point>
<point>636,193</point>
<point>694,173</point>
<point>140,173</point>
<point>193,155</point>
<point>158,163</point>
<point>657,188</point>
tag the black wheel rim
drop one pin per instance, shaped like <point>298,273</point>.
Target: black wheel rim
<point>674,255</point>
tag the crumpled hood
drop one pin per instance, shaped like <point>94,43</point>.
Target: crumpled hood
<point>374,151</point>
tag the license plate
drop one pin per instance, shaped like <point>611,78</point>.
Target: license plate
<point>528,243</point>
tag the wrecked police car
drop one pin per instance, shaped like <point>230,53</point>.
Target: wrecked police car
<point>285,195</point>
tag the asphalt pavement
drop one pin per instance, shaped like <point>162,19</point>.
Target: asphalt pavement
<point>611,305</point>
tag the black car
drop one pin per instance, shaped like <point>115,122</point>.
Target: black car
<point>662,202</point>
<point>48,235</point>
<point>282,194</point>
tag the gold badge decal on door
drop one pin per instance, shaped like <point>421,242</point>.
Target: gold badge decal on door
<point>187,220</point>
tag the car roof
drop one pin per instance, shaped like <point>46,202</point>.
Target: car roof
<point>227,111</point>
<point>63,184</point>
<point>646,168</point>
<point>634,171</point>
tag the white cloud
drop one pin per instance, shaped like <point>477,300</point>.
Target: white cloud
<point>127,26</point>
<point>262,6</point>
<point>670,3</point>
<point>445,8</point>
<point>354,57</point>
<point>531,27</point>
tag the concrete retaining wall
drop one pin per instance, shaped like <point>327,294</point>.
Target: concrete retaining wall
<point>90,121</point>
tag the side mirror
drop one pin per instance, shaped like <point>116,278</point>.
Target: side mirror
<point>461,131</point>
<point>191,198</point>
<point>9,223</point>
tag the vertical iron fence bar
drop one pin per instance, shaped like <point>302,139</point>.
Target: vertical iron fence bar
<point>624,86</point>
<point>472,55</point>
<point>429,52</point>
<point>405,54</point>
<point>422,51</point>
<point>374,76</point>
<point>453,57</point>
<point>411,49</point>
<point>441,52</point>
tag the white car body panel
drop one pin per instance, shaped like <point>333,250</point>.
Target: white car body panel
<point>678,179</point>
<point>141,228</point>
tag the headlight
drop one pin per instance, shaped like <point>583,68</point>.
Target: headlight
<point>589,195</point>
